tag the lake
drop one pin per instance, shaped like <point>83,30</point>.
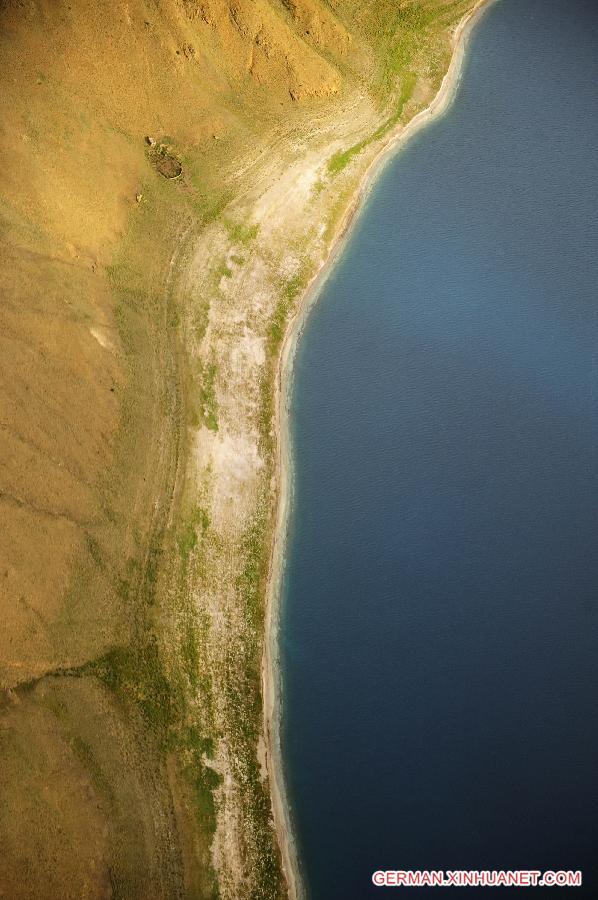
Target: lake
<point>439,621</point>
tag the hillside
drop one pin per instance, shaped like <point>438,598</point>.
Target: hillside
<point>173,173</point>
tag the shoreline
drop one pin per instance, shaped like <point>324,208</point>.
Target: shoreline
<point>271,693</point>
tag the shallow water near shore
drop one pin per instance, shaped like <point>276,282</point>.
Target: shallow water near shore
<point>439,619</point>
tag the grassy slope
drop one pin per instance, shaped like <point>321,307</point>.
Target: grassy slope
<point>108,711</point>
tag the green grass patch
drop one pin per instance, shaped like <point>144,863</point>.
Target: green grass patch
<point>341,160</point>
<point>222,270</point>
<point>200,316</point>
<point>208,399</point>
<point>240,233</point>
<point>136,673</point>
<point>198,521</point>
<point>285,306</point>
<point>209,206</point>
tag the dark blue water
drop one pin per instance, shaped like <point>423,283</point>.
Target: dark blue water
<point>440,619</point>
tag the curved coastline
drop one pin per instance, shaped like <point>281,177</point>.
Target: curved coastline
<point>284,472</point>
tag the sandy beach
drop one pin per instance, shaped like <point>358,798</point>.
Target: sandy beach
<point>284,474</point>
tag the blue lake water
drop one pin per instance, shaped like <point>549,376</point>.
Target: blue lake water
<point>439,629</point>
